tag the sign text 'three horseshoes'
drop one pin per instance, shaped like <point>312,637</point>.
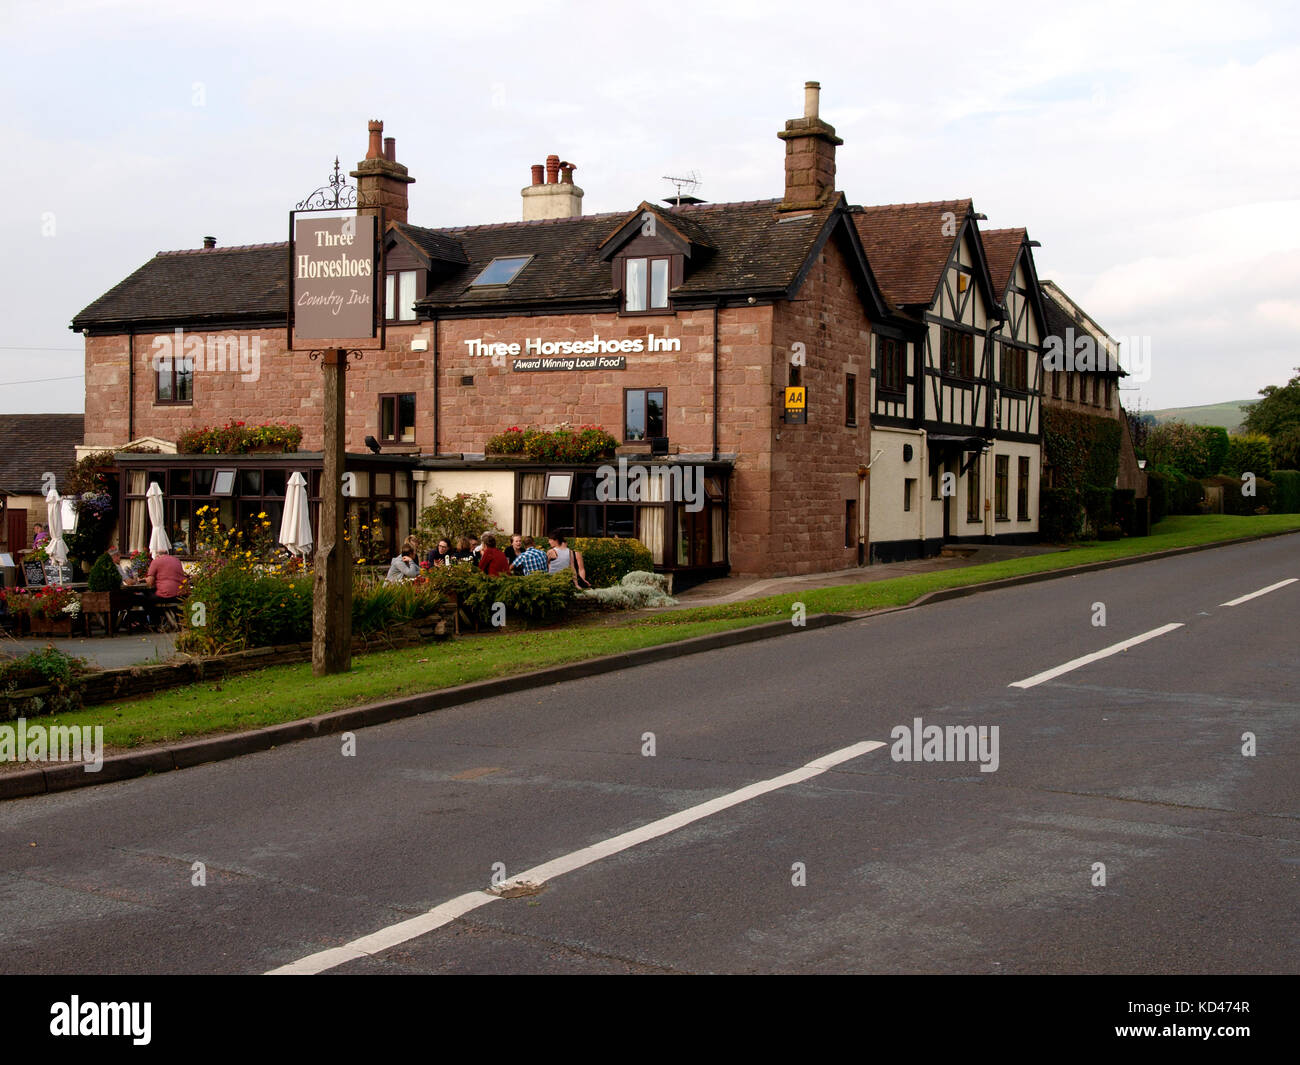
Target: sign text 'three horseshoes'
<point>335,265</point>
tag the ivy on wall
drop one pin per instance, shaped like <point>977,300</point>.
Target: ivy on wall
<point>1083,449</point>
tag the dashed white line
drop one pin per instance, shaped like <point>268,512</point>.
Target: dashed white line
<point>1263,591</point>
<point>1105,652</point>
<point>448,911</point>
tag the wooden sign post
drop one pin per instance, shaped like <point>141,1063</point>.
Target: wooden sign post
<point>331,630</point>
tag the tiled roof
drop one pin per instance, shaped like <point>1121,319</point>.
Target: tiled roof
<point>1061,318</point>
<point>907,245</point>
<point>209,283</point>
<point>1001,246</point>
<point>758,248</point>
<point>33,444</point>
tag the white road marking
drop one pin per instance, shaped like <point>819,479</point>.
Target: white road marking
<point>1263,591</point>
<point>1105,652</point>
<point>448,911</point>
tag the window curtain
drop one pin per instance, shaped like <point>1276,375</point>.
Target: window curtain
<point>137,484</point>
<point>650,519</point>
<point>719,540</point>
<point>533,515</point>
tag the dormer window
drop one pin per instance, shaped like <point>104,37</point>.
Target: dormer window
<point>501,271</point>
<point>645,284</point>
<point>399,296</point>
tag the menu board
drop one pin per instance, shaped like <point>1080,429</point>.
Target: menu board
<point>34,574</point>
<point>56,574</point>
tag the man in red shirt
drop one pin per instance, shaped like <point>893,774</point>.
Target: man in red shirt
<point>492,560</point>
<point>165,577</point>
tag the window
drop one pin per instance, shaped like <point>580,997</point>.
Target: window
<point>889,364</point>
<point>850,399</point>
<point>1056,383</point>
<point>643,413</point>
<point>1001,477</point>
<point>1108,403</point>
<point>1096,390</point>
<point>1015,368</point>
<point>645,284</point>
<point>559,486</point>
<point>1022,488</point>
<point>850,523</point>
<point>501,271</point>
<point>175,381</point>
<point>909,490</point>
<point>934,483</point>
<point>1069,386</point>
<point>973,497</point>
<point>956,353</point>
<point>397,418</point>
<point>399,296</point>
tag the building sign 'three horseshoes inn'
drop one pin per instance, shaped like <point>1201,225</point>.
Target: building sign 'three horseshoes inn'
<point>592,354</point>
<point>334,278</point>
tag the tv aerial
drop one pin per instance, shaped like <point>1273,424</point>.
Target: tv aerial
<point>685,187</point>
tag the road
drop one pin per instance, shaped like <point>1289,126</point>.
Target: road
<point>1133,762</point>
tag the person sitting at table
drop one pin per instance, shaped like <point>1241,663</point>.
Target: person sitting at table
<point>40,537</point>
<point>123,567</point>
<point>403,567</point>
<point>530,559</point>
<point>465,549</point>
<point>440,555</point>
<point>492,560</point>
<point>166,578</point>
<point>515,549</point>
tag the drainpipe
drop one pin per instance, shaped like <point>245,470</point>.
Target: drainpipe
<point>864,472</point>
<point>715,382</point>
<point>437,388</point>
<point>130,396</point>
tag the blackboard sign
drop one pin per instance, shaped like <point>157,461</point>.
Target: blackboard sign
<point>34,574</point>
<point>56,574</point>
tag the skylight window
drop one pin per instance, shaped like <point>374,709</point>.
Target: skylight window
<point>501,271</point>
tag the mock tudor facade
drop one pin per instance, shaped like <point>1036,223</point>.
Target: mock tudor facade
<point>677,328</point>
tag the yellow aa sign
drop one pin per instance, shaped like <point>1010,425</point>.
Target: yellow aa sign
<point>795,398</point>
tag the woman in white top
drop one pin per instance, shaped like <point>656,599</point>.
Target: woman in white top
<point>560,557</point>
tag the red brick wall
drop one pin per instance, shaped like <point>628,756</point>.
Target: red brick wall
<point>814,466</point>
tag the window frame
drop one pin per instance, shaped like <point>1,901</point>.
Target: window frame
<point>1015,368</point>
<point>395,276</point>
<point>395,398</point>
<point>891,359</point>
<point>185,368</point>
<point>974,496</point>
<point>476,283</point>
<point>1022,488</point>
<point>850,400</point>
<point>647,436</point>
<point>1001,487</point>
<point>648,291</point>
<point>956,353</point>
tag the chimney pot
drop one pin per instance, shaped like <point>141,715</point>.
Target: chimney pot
<point>811,93</point>
<point>566,173</point>
<point>552,169</point>
<point>537,173</point>
<point>390,149</point>
<point>209,242</point>
<point>374,150</point>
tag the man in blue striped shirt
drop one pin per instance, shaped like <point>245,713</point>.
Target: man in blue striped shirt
<point>529,560</point>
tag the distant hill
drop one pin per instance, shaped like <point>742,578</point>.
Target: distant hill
<point>1227,415</point>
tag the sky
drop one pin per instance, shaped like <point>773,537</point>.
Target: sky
<point>1152,149</point>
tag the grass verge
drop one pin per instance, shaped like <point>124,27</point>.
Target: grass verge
<point>287,693</point>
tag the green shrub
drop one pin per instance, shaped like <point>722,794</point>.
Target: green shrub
<point>48,667</point>
<point>464,514</point>
<point>1058,514</point>
<point>538,597</point>
<point>608,559</point>
<point>104,576</point>
<point>1179,446</point>
<point>1097,506</point>
<point>1216,443</point>
<point>379,607</point>
<point>1287,491</point>
<point>1248,453</point>
<point>242,610</point>
<point>1172,492</point>
<point>1286,449</point>
<point>1235,499</point>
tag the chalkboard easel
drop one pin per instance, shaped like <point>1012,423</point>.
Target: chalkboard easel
<point>33,574</point>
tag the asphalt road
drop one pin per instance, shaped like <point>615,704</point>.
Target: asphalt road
<point>1133,761</point>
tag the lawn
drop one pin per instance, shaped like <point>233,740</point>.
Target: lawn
<point>285,693</point>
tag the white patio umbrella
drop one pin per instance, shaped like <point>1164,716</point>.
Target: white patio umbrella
<point>56,548</point>
<point>158,541</point>
<point>295,526</point>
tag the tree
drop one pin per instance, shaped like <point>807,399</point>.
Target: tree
<point>1278,411</point>
<point>1286,449</point>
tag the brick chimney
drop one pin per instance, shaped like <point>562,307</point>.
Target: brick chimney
<point>557,197</point>
<point>809,155</point>
<point>381,179</point>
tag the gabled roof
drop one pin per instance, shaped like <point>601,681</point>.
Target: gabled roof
<point>32,444</point>
<point>214,284</point>
<point>1002,248</point>
<point>908,245</point>
<point>677,226</point>
<point>1064,314</point>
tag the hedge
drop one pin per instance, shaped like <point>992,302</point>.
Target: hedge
<point>1124,510</point>
<point>607,560</point>
<point>1236,501</point>
<point>1286,498</point>
<point>1172,492</point>
<point>1058,514</point>
<point>1249,452</point>
<point>537,597</point>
